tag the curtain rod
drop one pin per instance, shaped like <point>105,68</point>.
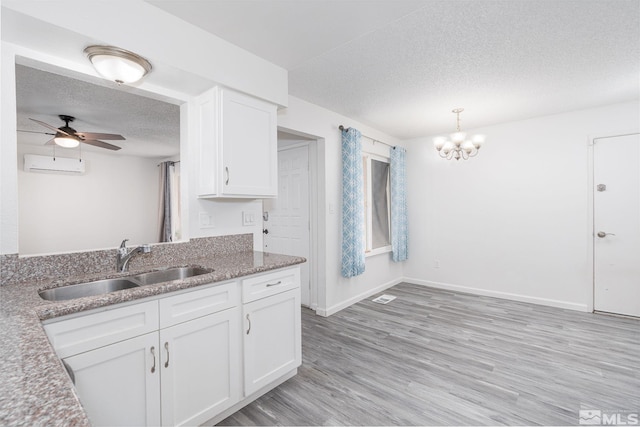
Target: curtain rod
<point>373,139</point>
<point>171,161</point>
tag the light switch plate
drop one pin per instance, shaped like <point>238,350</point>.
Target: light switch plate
<point>206,220</point>
<point>248,218</point>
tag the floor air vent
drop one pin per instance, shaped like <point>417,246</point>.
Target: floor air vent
<point>384,299</point>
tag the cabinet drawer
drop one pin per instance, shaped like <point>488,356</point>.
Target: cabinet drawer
<point>268,284</point>
<point>83,333</point>
<point>194,304</point>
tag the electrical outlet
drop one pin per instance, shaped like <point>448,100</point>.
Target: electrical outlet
<point>436,264</point>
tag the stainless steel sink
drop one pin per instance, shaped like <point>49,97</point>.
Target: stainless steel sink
<point>169,274</point>
<point>99,287</point>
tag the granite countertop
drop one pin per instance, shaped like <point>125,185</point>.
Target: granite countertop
<point>36,390</point>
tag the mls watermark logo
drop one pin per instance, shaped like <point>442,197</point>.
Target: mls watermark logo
<point>598,417</point>
<point>590,417</point>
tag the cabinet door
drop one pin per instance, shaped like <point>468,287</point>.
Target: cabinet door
<point>207,107</point>
<point>119,384</point>
<point>249,146</point>
<point>271,339</point>
<point>200,368</point>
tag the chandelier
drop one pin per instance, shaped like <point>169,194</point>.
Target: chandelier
<point>458,147</point>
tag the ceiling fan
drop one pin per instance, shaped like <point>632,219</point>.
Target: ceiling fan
<point>67,136</point>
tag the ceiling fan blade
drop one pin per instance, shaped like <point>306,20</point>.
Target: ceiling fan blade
<point>95,135</point>
<point>100,144</point>
<point>36,131</point>
<point>49,126</point>
<point>50,142</point>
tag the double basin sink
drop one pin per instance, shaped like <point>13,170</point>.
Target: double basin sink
<point>101,287</point>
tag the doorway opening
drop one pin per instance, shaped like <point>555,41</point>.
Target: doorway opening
<point>291,222</point>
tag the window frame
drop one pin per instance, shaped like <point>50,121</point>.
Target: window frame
<point>367,157</point>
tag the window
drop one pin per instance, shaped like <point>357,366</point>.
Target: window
<point>376,204</point>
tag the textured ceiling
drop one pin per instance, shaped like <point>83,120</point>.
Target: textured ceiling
<point>151,127</point>
<point>401,66</point>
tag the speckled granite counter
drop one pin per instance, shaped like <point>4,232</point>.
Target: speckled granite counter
<point>35,389</point>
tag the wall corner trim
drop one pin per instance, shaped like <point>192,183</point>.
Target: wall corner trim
<point>344,304</point>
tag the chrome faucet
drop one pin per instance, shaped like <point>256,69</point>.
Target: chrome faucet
<point>123,257</point>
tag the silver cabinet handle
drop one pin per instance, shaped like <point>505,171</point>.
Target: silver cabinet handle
<point>166,347</point>
<point>274,284</point>
<point>249,320</point>
<point>70,372</point>
<point>602,234</point>
<point>153,352</point>
<point>226,170</point>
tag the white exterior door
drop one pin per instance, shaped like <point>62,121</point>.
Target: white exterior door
<point>287,224</point>
<point>617,225</point>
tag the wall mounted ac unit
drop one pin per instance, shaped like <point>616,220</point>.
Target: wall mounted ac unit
<point>35,163</point>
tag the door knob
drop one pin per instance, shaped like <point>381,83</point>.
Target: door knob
<point>602,234</point>
<point>265,231</point>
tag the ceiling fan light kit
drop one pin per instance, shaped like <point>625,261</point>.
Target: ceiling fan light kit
<point>116,64</point>
<point>458,146</point>
<point>64,134</point>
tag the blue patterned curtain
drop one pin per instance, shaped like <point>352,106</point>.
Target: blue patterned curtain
<point>399,220</point>
<point>352,204</point>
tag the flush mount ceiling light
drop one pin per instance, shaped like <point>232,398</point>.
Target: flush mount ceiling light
<point>458,147</point>
<point>117,65</point>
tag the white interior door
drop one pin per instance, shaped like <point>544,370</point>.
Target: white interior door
<point>286,222</point>
<point>617,225</point>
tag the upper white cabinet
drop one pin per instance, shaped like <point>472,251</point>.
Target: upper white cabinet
<point>238,145</point>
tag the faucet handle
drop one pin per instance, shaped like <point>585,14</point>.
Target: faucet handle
<point>146,249</point>
<point>124,244</point>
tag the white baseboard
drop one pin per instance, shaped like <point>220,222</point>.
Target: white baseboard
<point>498,294</point>
<point>344,304</point>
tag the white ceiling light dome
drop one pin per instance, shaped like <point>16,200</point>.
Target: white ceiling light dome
<point>116,64</point>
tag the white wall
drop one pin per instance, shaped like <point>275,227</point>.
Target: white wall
<point>116,198</point>
<point>334,291</point>
<point>514,221</point>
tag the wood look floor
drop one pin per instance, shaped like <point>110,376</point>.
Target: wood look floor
<point>434,357</point>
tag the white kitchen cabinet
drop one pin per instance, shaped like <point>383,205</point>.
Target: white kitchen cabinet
<point>200,368</point>
<point>272,338</point>
<point>119,384</point>
<point>238,152</point>
<point>186,371</point>
<point>184,358</point>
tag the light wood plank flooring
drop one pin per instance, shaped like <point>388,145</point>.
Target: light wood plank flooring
<point>435,357</point>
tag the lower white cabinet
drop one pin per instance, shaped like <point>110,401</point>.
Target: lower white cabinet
<point>119,384</point>
<point>200,368</point>
<point>183,375</point>
<point>181,359</point>
<point>272,345</point>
